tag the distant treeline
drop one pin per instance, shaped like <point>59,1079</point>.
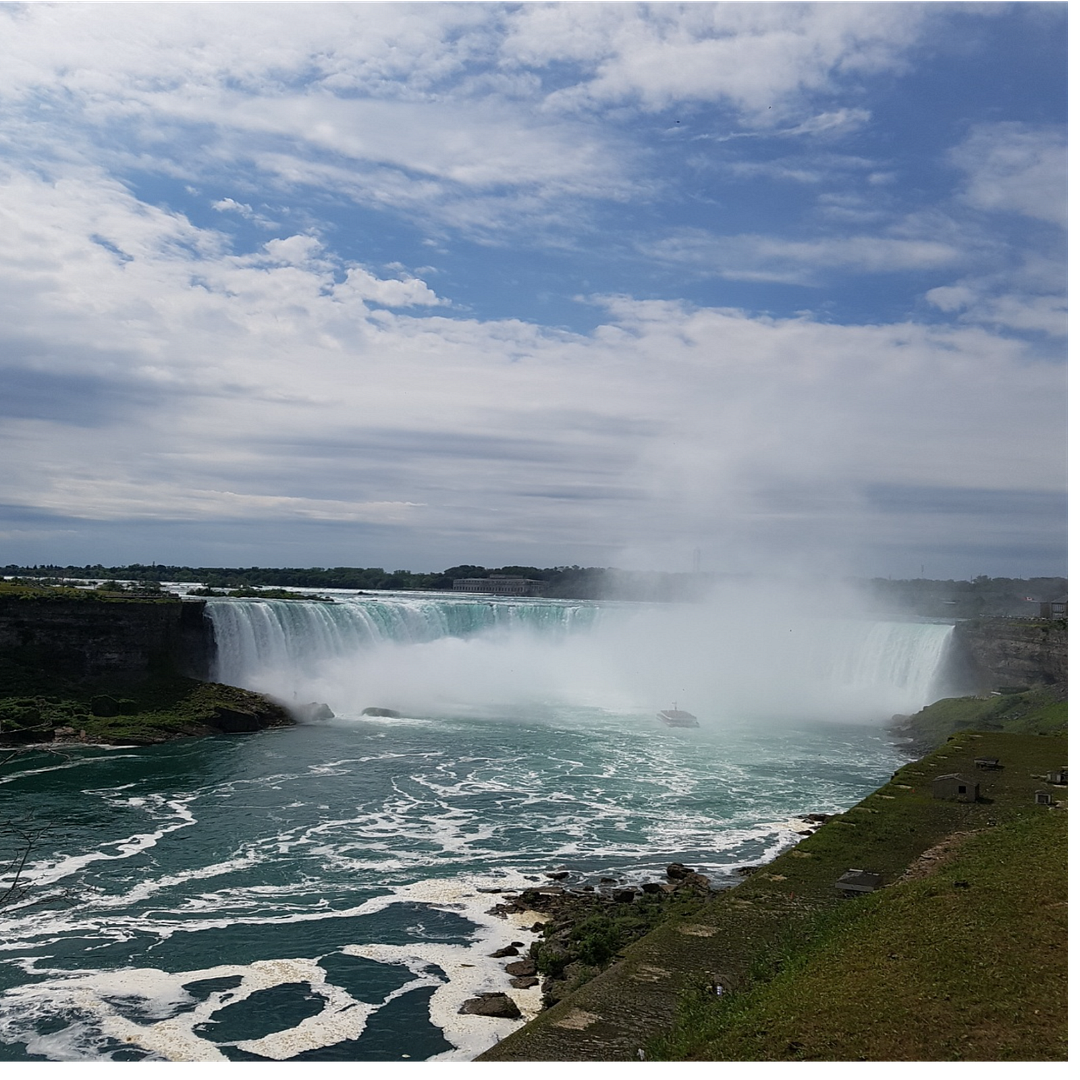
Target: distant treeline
<point>558,581</point>
<point>981,596</point>
<point>571,582</point>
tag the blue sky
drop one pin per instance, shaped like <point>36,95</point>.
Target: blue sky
<point>410,285</point>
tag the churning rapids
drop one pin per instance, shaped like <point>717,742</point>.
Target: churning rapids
<point>320,892</point>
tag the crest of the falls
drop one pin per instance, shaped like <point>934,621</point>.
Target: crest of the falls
<point>439,654</point>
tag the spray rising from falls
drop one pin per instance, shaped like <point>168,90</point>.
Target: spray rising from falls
<point>428,656</point>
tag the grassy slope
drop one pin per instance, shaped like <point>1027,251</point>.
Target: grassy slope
<point>966,963</point>
<point>1031,712</point>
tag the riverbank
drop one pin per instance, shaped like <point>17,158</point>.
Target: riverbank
<point>156,711</point>
<point>784,919</point>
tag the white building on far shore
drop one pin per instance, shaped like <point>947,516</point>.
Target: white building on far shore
<point>499,585</point>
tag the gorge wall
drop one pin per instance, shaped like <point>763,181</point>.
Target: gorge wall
<point>121,643</point>
<point>990,653</point>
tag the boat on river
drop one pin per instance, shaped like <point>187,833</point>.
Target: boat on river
<point>676,717</point>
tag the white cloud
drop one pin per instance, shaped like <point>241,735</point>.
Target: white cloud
<point>224,205</point>
<point>765,258</point>
<point>408,292</point>
<point>1016,168</point>
<point>1019,285</point>
<point>978,301</point>
<point>154,369</point>
<point>131,499</point>
<point>424,107</point>
<point>837,122</point>
<point>270,390</point>
<point>764,59</point>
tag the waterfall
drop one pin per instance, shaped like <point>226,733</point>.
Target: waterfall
<point>439,654</point>
<point>295,635</point>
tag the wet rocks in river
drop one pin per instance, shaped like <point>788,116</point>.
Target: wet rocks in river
<point>498,1005</point>
<point>525,982</point>
<point>312,711</point>
<point>521,967</point>
<point>508,950</point>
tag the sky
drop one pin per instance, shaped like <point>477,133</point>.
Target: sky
<point>734,286</point>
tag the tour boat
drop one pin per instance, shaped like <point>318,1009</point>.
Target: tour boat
<point>677,717</point>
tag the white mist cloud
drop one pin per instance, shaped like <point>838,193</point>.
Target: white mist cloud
<point>769,652</point>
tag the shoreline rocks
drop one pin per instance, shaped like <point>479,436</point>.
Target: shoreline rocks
<point>586,929</point>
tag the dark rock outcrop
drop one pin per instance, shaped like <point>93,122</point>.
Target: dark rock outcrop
<point>116,670</point>
<point>312,711</point>
<point>491,1004</point>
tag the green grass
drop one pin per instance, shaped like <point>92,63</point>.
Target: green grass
<point>15,590</point>
<point>1030,712</point>
<point>966,963</point>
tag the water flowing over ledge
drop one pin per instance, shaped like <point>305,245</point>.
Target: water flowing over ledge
<point>497,652</point>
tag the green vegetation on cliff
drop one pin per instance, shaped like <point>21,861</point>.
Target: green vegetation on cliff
<point>156,711</point>
<point>1030,712</point>
<point>30,592</point>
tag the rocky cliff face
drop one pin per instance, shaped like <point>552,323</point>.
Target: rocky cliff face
<point>121,643</point>
<point>989,653</point>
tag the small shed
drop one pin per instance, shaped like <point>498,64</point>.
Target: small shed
<point>1054,609</point>
<point>954,786</point>
<point>987,763</point>
<point>858,881</point>
<point>1044,798</point>
<point>1058,776</point>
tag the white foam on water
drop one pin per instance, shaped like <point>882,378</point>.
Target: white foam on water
<point>78,760</point>
<point>94,1002</point>
<point>470,969</point>
<point>94,997</point>
<point>50,871</point>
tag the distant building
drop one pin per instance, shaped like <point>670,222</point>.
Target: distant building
<point>499,585</point>
<point>954,786</point>
<point>1058,776</point>
<point>858,881</point>
<point>1054,609</point>
<point>1044,798</point>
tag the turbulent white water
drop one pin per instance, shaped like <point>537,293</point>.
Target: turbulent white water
<point>323,892</point>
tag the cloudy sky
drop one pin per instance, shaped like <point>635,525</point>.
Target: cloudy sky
<point>410,285</point>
